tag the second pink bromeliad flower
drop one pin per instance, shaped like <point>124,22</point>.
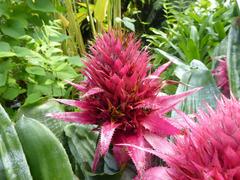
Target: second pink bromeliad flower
<point>122,99</point>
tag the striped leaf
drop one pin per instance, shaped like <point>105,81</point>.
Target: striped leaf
<point>13,164</point>
<point>198,76</point>
<point>233,58</point>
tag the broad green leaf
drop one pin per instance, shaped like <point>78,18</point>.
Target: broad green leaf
<point>4,68</point>
<point>14,28</point>
<point>32,98</point>
<point>100,9</point>
<point>7,54</point>
<point>76,61</point>
<point>233,58</point>
<point>36,70</point>
<point>11,93</point>
<point>25,52</point>
<point>220,50</point>
<point>39,110</point>
<point>33,57</point>
<point>13,163</point>
<point>129,23</point>
<point>197,76</point>
<point>66,73</point>
<point>41,5</point>
<point>4,9</point>
<point>57,89</point>
<point>4,46</point>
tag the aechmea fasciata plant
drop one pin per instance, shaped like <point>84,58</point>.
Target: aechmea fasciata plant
<point>210,149</point>
<point>221,76</point>
<point>122,99</point>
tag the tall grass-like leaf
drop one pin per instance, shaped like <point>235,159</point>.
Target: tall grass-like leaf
<point>100,9</point>
<point>74,29</point>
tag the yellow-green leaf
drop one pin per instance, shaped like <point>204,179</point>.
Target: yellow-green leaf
<point>100,10</point>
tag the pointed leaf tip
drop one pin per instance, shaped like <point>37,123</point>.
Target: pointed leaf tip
<point>159,125</point>
<point>93,91</point>
<point>168,102</point>
<point>77,86</point>
<point>69,102</point>
<point>107,132</point>
<point>161,69</point>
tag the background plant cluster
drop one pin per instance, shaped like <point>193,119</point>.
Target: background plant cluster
<point>43,43</point>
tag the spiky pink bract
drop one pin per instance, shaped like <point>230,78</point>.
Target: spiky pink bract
<point>210,150</point>
<point>122,99</point>
<point>221,75</point>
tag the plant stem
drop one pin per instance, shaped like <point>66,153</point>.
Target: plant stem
<point>117,13</point>
<point>91,19</point>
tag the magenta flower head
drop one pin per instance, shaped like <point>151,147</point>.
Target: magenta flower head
<point>122,99</point>
<point>210,150</point>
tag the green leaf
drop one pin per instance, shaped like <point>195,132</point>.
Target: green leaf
<point>39,110</point>
<point>194,35</point>
<point>233,58</point>
<point>100,9</point>
<point>4,67</point>
<point>181,66</point>
<point>45,154</point>
<point>43,89</point>
<point>11,93</point>
<point>3,79</point>
<point>36,70</point>
<point>13,28</point>
<point>5,50</point>
<point>82,144</point>
<point>67,73</point>
<point>7,54</point>
<point>219,28</point>
<point>41,5</point>
<point>4,46</point>
<point>76,61</point>
<point>23,51</point>
<point>129,23</point>
<point>13,164</point>
<point>33,57</point>
<point>4,9</point>
<point>32,98</point>
<point>197,76</point>
<point>57,89</point>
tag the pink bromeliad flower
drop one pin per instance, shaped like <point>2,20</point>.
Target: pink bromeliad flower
<point>122,99</point>
<point>209,151</point>
<point>221,75</point>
